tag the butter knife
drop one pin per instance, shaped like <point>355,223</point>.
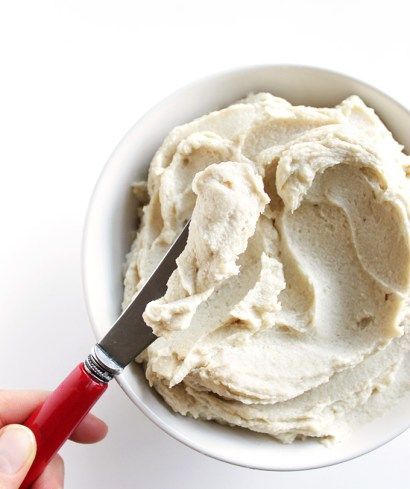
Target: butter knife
<point>55,420</point>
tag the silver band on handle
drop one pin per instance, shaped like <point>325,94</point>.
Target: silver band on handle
<point>100,365</point>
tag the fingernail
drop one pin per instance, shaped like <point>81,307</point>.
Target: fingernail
<point>17,447</point>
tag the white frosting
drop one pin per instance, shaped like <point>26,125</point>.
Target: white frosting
<point>288,311</point>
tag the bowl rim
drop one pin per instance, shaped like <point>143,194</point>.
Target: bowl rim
<point>168,429</point>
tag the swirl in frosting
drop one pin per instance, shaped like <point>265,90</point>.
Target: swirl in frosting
<point>288,313</point>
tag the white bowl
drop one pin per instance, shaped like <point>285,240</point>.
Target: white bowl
<point>108,234</point>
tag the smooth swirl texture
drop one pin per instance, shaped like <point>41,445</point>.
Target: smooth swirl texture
<point>288,313</point>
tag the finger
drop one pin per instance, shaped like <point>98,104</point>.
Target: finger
<point>16,406</point>
<point>17,451</point>
<point>52,476</point>
<point>90,430</point>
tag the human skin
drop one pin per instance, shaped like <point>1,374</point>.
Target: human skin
<point>15,407</point>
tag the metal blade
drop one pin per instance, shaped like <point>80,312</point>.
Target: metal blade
<point>130,335</point>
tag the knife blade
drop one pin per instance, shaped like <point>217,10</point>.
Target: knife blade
<point>129,335</point>
<point>54,421</point>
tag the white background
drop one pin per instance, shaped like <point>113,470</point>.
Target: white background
<point>74,76</point>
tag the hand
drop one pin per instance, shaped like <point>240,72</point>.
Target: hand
<point>18,445</point>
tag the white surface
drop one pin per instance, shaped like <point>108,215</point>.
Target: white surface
<point>75,76</point>
<point>111,223</point>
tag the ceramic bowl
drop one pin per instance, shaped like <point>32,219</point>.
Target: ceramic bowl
<point>109,230</point>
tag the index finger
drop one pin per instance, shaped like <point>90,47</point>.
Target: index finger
<point>17,405</point>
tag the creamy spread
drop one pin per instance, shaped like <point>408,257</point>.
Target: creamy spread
<point>288,313</point>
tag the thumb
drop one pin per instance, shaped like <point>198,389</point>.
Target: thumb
<point>17,452</point>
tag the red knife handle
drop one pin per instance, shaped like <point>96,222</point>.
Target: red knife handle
<point>54,421</point>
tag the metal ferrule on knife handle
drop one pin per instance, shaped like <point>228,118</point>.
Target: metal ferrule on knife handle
<point>100,365</point>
